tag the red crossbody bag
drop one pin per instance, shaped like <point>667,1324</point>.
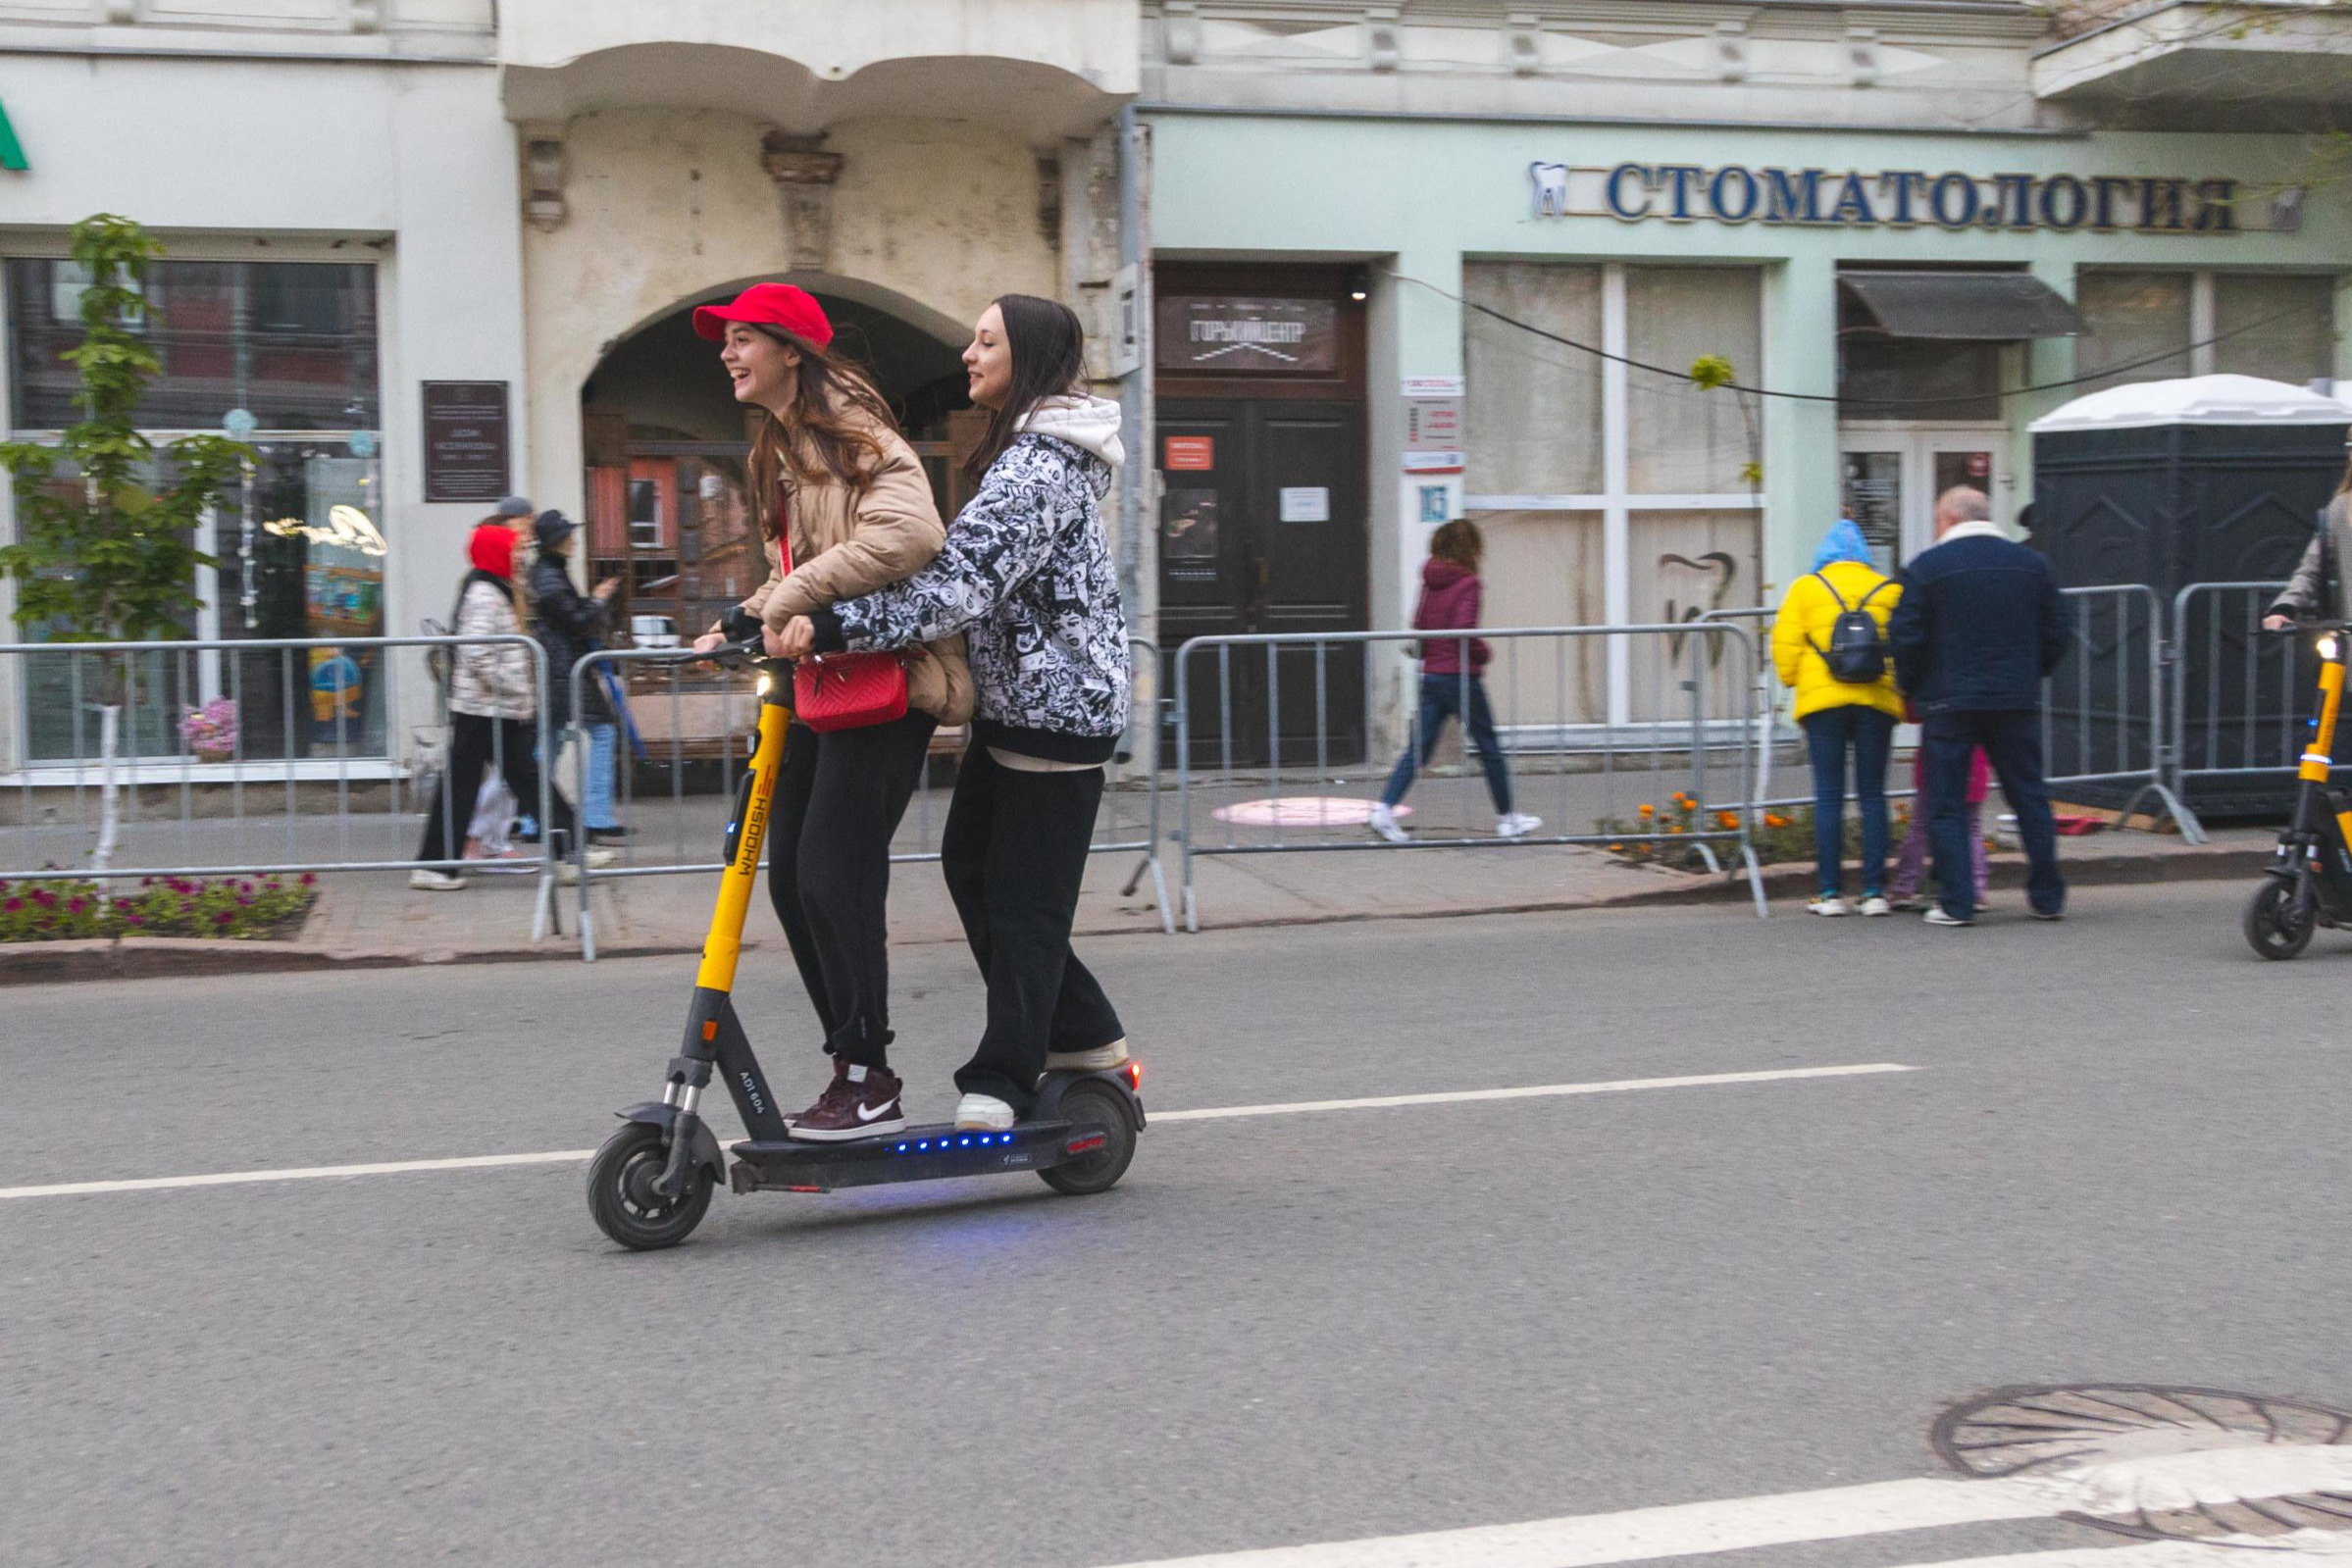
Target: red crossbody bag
<point>842,691</point>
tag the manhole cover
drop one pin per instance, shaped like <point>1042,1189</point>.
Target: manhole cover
<point>2164,1463</point>
<point>1302,811</point>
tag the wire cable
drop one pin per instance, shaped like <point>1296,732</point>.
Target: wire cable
<point>1833,398</point>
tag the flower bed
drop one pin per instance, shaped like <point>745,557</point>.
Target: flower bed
<point>228,908</point>
<point>1778,838</point>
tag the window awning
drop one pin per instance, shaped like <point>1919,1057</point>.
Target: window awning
<point>1964,307</point>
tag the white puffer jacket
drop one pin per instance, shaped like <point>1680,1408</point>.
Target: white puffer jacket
<point>493,679</point>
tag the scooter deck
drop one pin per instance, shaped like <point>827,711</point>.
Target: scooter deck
<point>918,1155</point>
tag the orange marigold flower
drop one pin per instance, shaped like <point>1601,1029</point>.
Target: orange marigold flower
<point>1617,849</point>
<point>1674,826</point>
<point>1649,810</point>
<point>1725,818</point>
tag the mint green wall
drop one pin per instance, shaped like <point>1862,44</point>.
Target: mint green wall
<point>1429,193</point>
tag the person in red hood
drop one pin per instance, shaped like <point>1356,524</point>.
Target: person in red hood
<point>1450,600</point>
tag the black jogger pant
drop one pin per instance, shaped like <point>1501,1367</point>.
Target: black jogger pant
<point>476,743</point>
<point>838,798</point>
<point>1015,854</point>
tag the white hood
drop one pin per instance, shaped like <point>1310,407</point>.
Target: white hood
<point>1089,424</point>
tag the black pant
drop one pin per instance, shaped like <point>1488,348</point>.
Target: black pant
<point>2012,740</point>
<point>838,798</point>
<point>1014,854</point>
<point>476,743</point>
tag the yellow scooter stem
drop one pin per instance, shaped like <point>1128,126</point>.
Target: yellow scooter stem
<point>725,944</point>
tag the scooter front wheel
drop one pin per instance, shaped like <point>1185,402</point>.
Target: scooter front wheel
<point>622,1198</point>
<point>2281,918</point>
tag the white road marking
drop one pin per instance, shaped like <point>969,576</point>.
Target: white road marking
<point>149,1184</point>
<point>1538,1092</point>
<point>2228,1551</point>
<point>1738,1524</point>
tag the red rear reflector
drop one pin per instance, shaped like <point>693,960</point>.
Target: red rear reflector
<point>1084,1146</point>
<point>710,1029</point>
<point>1135,1074</point>
<point>804,1189</point>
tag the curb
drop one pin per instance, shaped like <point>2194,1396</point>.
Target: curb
<point>163,957</point>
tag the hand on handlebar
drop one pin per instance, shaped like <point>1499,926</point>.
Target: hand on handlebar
<point>798,640</point>
<point>2277,622</point>
<point>710,642</point>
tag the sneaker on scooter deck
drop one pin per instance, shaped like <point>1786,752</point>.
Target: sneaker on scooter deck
<point>860,1103</point>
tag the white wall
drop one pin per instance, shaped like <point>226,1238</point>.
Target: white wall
<point>410,166</point>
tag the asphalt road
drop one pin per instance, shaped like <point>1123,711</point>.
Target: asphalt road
<point>2122,1158</point>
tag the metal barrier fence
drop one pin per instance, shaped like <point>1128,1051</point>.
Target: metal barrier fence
<point>82,773</point>
<point>683,712</point>
<point>2103,708</point>
<point>2217,650</point>
<point>1684,662</point>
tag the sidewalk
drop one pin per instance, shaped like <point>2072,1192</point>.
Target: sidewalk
<point>367,919</point>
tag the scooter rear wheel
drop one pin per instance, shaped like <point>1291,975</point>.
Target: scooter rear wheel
<point>2279,918</point>
<point>1093,1107</point>
<point>621,1196</point>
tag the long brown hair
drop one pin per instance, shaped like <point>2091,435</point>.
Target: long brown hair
<point>1459,542</point>
<point>1049,358</point>
<point>824,441</point>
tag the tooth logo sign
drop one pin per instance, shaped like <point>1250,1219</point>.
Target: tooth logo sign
<point>1551,189</point>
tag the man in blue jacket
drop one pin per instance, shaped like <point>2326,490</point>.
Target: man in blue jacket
<point>1979,627</point>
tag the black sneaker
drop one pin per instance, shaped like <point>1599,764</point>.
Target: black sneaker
<point>841,1066</point>
<point>859,1103</point>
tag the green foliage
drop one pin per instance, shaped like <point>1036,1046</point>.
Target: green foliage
<point>102,556</point>
<point>230,908</point>
<point>1711,371</point>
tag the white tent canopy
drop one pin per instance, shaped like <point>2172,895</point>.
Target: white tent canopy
<point>2196,400</point>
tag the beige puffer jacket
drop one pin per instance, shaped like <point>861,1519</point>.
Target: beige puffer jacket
<point>844,545</point>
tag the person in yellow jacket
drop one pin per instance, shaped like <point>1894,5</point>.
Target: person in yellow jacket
<point>1843,676</point>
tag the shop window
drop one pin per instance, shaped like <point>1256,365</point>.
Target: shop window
<point>291,343</point>
<point>2133,316</point>
<point>2279,325</point>
<point>1534,406</point>
<point>1546,568</point>
<point>2275,325</point>
<point>1683,565</point>
<point>1681,439</point>
<point>1882,376</point>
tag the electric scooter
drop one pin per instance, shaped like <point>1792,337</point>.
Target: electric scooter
<point>2310,882</point>
<point>651,1182</point>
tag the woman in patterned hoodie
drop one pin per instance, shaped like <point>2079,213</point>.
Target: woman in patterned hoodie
<point>1026,576</point>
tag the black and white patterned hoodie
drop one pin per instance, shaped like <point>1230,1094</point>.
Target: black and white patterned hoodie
<point>1026,575</point>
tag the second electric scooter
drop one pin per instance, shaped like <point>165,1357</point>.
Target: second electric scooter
<point>650,1183</point>
<point>2308,884</point>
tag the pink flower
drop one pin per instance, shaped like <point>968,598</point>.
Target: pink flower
<point>76,904</point>
<point>13,905</point>
<point>223,918</point>
<point>135,920</point>
<point>44,897</point>
<point>309,878</point>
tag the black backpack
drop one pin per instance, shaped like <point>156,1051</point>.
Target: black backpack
<point>1857,651</point>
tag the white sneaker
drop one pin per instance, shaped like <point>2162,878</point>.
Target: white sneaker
<point>1384,823</point>
<point>1100,1059</point>
<point>567,872</point>
<point>1937,917</point>
<point>1876,905</point>
<point>1514,823</point>
<point>1826,905</point>
<point>436,881</point>
<point>983,1113</point>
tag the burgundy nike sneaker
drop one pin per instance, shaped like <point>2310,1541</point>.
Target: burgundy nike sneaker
<point>859,1103</point>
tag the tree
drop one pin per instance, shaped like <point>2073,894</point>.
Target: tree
<point>107,553</point>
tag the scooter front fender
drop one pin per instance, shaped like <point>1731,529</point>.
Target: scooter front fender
<point>706,1148</point>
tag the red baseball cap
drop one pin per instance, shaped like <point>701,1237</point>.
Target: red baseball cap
<point>795,310</point>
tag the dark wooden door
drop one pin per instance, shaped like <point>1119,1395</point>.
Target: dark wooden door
<point>1262,530</point>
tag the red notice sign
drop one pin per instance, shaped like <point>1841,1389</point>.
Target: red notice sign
<point>1196,454</point>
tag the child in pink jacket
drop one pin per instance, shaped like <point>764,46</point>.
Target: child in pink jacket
<point>1911,861</point>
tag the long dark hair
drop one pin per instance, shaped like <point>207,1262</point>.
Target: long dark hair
<point>823,441</point>
<point>1048,359</point>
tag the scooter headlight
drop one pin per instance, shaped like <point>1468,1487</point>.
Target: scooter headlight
<point>767,683</point>
<point>2330,645</point>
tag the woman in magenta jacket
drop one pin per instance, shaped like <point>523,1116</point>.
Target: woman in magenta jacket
<point>1450,602</point>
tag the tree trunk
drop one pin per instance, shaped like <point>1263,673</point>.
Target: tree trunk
<point>110,729</point>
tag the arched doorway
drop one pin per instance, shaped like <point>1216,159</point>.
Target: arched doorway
<point>665,443</point>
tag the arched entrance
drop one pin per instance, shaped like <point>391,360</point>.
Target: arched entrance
<point>665,445</point>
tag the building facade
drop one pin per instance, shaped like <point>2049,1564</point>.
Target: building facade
<point>1906,229</point>
<point>426,253</point>
<point>1356,267</point>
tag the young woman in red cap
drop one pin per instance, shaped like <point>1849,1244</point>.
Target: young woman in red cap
<point>492,701</point>
<point>832,478</point>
